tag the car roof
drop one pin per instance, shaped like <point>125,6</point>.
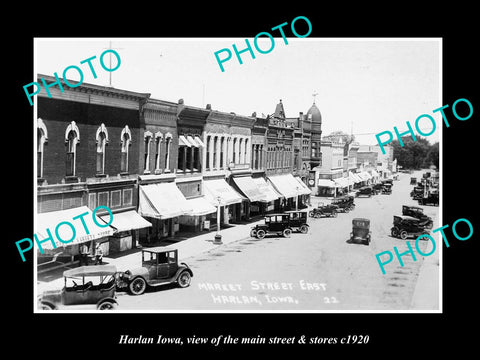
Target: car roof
<point>159,249</point>
<point>360,219</point>
<point>93,270</point>
<point>406,217</point>
<point>413,207</point>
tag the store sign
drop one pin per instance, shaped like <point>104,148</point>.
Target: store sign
<point>59,232</point>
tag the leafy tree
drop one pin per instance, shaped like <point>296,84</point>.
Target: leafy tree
<point>415,154</point>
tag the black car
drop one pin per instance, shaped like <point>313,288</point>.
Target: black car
<point>344,203</point>
<point>298,221</point>
<point>360,231</point>
<point>364,191</point>
<point>431,198</point>
<point>407,226</point>
<point>279,224</point>
<point>386,188</point>
<point>324,211</point>
<point>417,212</point>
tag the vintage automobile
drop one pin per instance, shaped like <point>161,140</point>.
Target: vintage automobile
<point>323,211</point>
<point>413,181</point>
<point>85,285</point>
<point>298,221</point>
<point>360,231</point>
<point>278,224</point>
<point>377,188</point>
<point>431,198</point>
<point>344,203</point>
<point>407,226</point>
<point>159,267</point>
<point>417,212</point>
<point>386,189</point>
<point>364,191</point>
<point>417,192</point>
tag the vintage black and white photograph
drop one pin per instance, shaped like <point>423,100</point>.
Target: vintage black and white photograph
<point>262,175</point>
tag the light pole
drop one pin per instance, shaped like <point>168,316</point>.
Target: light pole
<point>296,203</point>
<point>218,237</point>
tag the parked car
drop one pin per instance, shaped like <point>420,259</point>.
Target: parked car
<point>407,226</point>
<point>377,188</point>
<point>85,285</point>
<point>417,212</point>
<point>360,230</point>
<point>278,224</point>
<point>159,267</point>
<point>431,198</point>
<point>413,181</point>
<point>386,189</point>
<point>364,191</point>
<point>298,221</point>
<point>417,192</point>
<point>344,203</point>
<point>323,211</point>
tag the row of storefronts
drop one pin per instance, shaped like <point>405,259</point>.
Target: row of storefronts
<point>165,170</point>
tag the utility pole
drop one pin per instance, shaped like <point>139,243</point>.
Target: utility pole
<point>110,61</point>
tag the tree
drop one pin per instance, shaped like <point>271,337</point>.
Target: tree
<point>414,154</point>
<point>433,156</point>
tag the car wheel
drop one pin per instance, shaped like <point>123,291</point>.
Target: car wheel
<point>403,234</point>
<point>394,232</point>
<point>137,286</point>
<point>253,233</point>
<point>317,216</point>
<point>260,234</point>
<point>304,229</point>
<point>46,306</point>
<point>311,214</point>
<point>183,279</point>
<point>107,305</point>
<point>335,214</point>
<point>287,232</point>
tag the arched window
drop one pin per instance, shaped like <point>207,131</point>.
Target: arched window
<point>125,138</point>
<point>168,144</point>
<point>158,145</point>
<point>147,140</point>
<point>42,139</point>
<point>72,138</point>
<point>102,141</point>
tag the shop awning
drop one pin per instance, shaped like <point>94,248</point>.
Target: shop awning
<point>50,220</point>
<point>354,177</point>
<point>305,190</point>
<point>248,187</point>
<point>284,185</point>
<point>218,189</point>
<point>182,141</point>
<point>326,183</point>
<point>126,220</point>
<point>200,206</point>
<point>162,201</point>
<point>375,173</point>
<point>266,189</point>
<point>342,182</point>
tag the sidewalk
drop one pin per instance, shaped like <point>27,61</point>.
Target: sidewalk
<point>187,248</point>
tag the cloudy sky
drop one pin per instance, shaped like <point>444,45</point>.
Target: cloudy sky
<point>365,85</point>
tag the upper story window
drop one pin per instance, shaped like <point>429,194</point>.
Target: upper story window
<point>72,138</point>
<point>147,141</point>
<point>158,151</point>
<point>126,139</point>
<point>102,141</point>
<point>42,139</point>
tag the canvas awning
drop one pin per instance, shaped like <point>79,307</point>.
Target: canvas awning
<point>50,221</point>
<point>200,206</point>
<point>304,189</point>
<point>182,141</point>
<point>162,201</point>
<point>266,189</point>
<point>283,185</point>
<point>218,189</point>
<point>126,220</point>
<point>354,177</point>
<point>326,183</point>
<point>342,182</point>
<point>248,187</point>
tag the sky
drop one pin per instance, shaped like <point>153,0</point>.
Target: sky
<point>364,85</point>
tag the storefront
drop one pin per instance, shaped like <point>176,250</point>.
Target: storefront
<point>269,195</point>
<point>219,193</point>
<point>290,188</point>
<point>60,226</point>
<point>247,186</point>
<point>161,204</point>
<point>199,217</point>
<point>326,187</point>
<point>126,225</point>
